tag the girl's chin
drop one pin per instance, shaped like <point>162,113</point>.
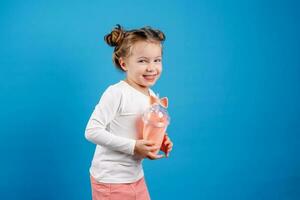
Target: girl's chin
<point>148,83</point>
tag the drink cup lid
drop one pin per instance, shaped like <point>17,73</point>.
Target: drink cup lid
<point>157,116</point>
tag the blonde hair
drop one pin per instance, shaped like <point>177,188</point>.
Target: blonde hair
<point>123,40</point>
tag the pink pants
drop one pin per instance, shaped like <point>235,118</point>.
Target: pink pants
<point>123,191</point>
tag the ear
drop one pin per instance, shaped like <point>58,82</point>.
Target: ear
<point>123,64</point>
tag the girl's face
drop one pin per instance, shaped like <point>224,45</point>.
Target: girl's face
<point>144,65</point>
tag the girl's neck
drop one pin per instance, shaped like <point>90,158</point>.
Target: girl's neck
<point>144,90</point>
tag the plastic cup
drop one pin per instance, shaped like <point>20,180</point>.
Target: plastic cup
<point>155,122</point>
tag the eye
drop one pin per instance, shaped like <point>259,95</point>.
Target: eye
<point>142,61</point>
<point>157,60</point>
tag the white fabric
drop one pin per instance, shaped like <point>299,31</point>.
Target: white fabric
<point>112,127</point>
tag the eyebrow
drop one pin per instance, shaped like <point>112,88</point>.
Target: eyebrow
<point>148,58</point>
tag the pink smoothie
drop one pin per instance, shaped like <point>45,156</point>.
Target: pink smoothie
<point>155,125</point>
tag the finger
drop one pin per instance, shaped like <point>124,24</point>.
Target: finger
<point>167,142</point>
<point>149,142</point>
<point>152,148</point>
<point>167,152</point>
<point>154,156</point>
<point>170,145</point>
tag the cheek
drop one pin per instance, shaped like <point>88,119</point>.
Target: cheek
<point>138,72</point>
<point>141,70</point>
<point>159,68</point>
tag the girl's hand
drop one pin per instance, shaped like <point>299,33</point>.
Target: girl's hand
<point>145,148</point>
<point>167,145</point>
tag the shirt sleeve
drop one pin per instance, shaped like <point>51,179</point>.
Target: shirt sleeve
<point>104,112</point>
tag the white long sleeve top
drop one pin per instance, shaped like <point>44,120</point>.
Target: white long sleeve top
<point>113,128</point>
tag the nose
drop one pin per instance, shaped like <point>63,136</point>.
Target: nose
<point>150,67</point>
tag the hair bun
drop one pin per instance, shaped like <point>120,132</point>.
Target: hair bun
<point>116,36</point>
<point>161,35</point>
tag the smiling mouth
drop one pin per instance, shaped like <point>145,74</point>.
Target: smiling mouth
<point>150,77</point>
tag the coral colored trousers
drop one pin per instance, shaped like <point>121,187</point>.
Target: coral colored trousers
<point>120,191</point>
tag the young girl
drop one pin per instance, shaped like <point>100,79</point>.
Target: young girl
<point>116,171</point>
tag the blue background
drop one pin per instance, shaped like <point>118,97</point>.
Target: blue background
<point>231,72</point>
